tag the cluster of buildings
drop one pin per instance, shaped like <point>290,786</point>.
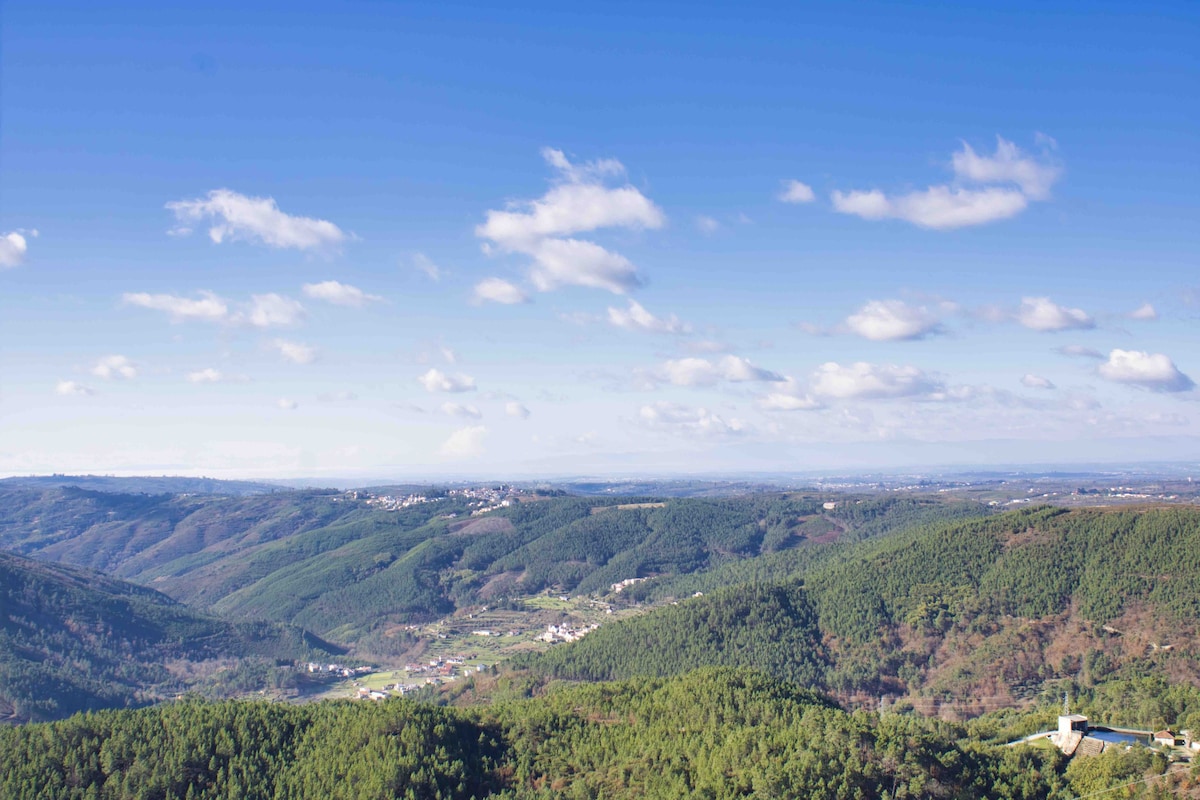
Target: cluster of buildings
<point>487,498</point>
<point>620,586</point>
<point>337,670</point>
<point>565,633</point>
<point>437,670</point>
<point>389,503</point>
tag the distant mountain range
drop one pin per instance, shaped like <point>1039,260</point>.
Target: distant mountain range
<point>143,484</point>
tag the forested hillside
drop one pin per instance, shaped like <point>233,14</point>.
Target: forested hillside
<point>73,640</point>
<point>709,734</point>
<point>772,628</point>
<point>343,567</point>
<point>975,614</point>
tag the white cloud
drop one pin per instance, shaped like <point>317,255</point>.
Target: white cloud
<point>796,192</point>
<point>1153,371</point>
<point>1078,351</point>
<point>343,396</point>
<point>114,367</point>
<point>861,380</point>
<point>1042,314</point>
<point>790,397</point>
<point>426,265</point>
<point>637,318</point>
<point>437,381</point>
<point>208,308</point>
<point>738,369</point>
<point>1036,382</point>
<point>938,207</point>
<point>707,225</point>
<point>464,443</point>
<point>340,294</point>
<point>255,219</point>
<point>295,352</point>
<point>263,311</point>
<point>892,320</point>
<point>946,206</point>
<point>1144,312</point>
<point>1008,165</point>
<point>457,410</point>
<point>578,262</point>
<point>286,404</point>
<point>578,203</point>
<point>514,409</point>
<point>69,388</point>
<point>697,372</point>
<point>678,418</point>
<point>206,375</point>
<point>13,247</point>
<point>271,310</point>
<point>498,290</point>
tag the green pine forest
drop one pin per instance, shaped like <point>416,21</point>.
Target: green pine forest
<point>886,647</point>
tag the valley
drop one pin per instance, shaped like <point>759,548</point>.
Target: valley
<point>492,603</point>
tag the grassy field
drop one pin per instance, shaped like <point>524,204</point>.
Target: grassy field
<point>460,636</point>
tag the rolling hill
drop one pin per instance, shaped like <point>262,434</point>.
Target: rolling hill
<point>342,566</point>
<point>73,640</point>
<point>964,615</point>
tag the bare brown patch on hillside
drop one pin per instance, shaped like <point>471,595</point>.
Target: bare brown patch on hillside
<point>1027,537</point>
<point>500,584</point>
<point>481,525</point>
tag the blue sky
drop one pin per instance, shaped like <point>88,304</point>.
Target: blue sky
<point>385,239</point>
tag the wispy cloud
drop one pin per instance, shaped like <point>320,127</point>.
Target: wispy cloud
<point>637,318</point>
<point>989,188</point>
<point>790,396</point>
<point>464,443</point>
<point>1032,381</point>
<point>580,202</point>
<point>515,409</point>
<point>236,216</point>
<point>208,307</point>
<point>295,352</point>
<point>114,367</point>
<point>263,311</point>
<point>71,388</point>
<point>892,320</point>
<point>865,381</point>
<point>1043,314</point>
<point>701,372</point>
<point>1007,165</point>
<point>498,290</point>
<point>272,310</point>
<point>794,191</point>
<point>680,419</point>
<point>426,265</point>
<point>938,207</point>
<point>340,294</point>
<point>1078,351</point>
<point>461,410</point>
<point>437,381</point>
<point>1145,313</point>
<point>206,375</point>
